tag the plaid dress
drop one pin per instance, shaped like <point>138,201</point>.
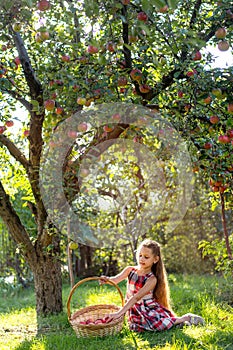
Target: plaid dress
<point>146,314</point>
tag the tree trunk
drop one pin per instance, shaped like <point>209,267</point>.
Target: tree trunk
<point>48,285</point>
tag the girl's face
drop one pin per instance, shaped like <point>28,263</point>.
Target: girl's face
<point>146,258</point>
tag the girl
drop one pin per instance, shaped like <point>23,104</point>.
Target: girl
<point>147,297</point>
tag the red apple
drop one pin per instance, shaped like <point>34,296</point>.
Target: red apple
<point>44,35</point>
<point>92,49</point>
<point>144,88</point>
<point>180,94</point>
<point>82,127</point>
<point>222,188</point>
<point>163,9</point>
<point>65,58</point>
<point>2,129</point>
<point>230,107</point>
<point>215,188</point>
<point>110,46</point>
<point>125,2</point>
<point>49,105</point>
<point>116,117</point>
<point>214,119</point>
<point>208,145</point>
<point>223,45</point>
<point>59,110</point>
<point>26,133</point>
<point>223,139</point>
<point>230,133</point>
<point>17,61</point>
<point>136,74</point>
<point>207,100</point>
<point>107,128</point>
<point>9,123</point>
<point>122,81</point>
<point>191,73</point>
<point>43,5</point>
<point>197,56</point>
<point>142,16</point>
<point>72,134</point>
<point>81,101</point>
<point>221,33</point>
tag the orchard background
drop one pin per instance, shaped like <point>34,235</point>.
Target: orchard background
<point>59,58</point>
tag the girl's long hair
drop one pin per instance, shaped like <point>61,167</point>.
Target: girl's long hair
<point>161,291</point>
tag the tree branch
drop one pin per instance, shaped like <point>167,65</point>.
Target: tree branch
<point>125,36</point>
<point>14,225</point>
<point>33,83</point>
<point>15,152</point>
<point>19,98</point>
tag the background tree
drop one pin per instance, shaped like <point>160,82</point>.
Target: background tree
<point>58,57</point>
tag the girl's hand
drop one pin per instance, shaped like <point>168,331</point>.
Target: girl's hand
<point>113,316</point>
<point>103,280</point>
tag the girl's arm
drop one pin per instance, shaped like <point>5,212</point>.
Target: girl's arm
<point>118,278</point>
<point>149,286</point>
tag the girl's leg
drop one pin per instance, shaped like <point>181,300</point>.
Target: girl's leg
<point>189,319</point>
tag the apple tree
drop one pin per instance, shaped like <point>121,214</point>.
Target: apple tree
<point>60,57</point>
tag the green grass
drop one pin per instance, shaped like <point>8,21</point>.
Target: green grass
<point>21,330</point>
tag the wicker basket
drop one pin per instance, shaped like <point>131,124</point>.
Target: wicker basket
<point>94,312</point>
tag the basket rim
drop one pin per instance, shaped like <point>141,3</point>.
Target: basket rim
<point>92,325</point>
<point>95,278</point>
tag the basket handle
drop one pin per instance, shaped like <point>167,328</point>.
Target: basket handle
<point>86,280</point>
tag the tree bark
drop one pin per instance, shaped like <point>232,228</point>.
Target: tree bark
<point>48,282</point>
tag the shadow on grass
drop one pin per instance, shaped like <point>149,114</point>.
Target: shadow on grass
<point>61,336</point>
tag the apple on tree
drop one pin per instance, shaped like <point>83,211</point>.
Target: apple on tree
<point>59,110</point>
<point>223,139</point>
<point>49,105</point>
<point>197,56</point>
<point>9,123</point>
<point>163,9</point>
<point>223,45</point>
<point>214,119</point>
<point>2,129</point>
<point>43,5</point>
<point>81,101</point>
<point>144,88</point>
<point>136,74</point>
<point>92,49</point>
<point>110,46</point>
<point>220,33</point>
<point>122,81</point>
<point>142,16</point>
<point>26,133</point>
<point>72,134</point>
<point>107,128</point>
<point>82,127</point>
<point>116,117</point>
<point>65,58</point>
<point>230,107</point>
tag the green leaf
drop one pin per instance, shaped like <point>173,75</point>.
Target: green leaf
<point>158,3</point>
<point>173,4</point>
